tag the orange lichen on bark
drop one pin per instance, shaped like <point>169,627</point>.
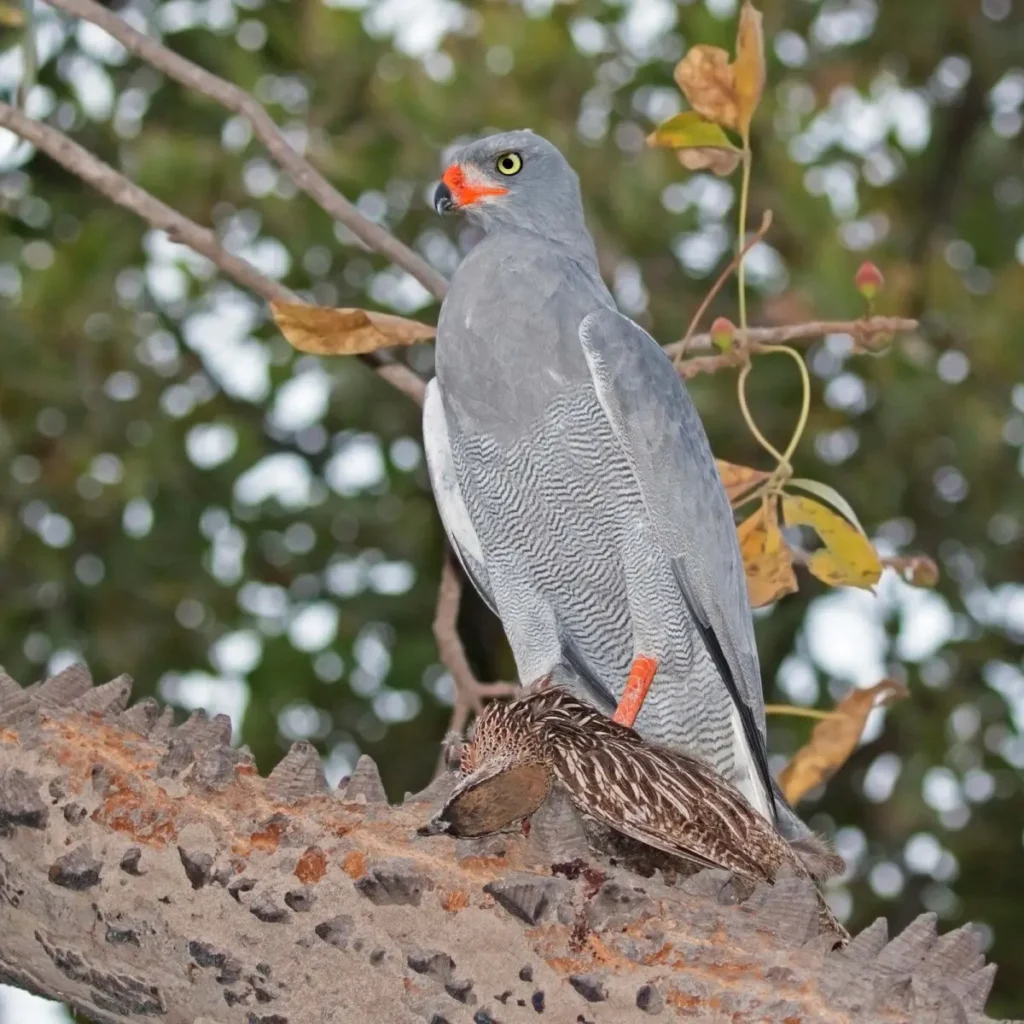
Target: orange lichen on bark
<point>311,866</point>
<point>454,900</point>
<point>268,838</point>
<point>488,866</point>
<point>682,1001</point>
<point>139,817</point>
<point>354,864</point>
<point>659,958</point>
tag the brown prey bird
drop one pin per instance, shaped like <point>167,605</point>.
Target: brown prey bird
<point>666,800</point>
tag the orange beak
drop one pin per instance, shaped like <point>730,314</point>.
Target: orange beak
<point>456,190</point>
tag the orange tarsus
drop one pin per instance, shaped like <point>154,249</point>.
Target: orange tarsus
<point>641,675</point>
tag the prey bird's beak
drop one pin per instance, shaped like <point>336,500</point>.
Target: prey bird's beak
<point>444,202</point>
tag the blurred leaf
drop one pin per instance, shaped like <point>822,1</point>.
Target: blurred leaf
<point>720,161</point>
<point>848,559</point>
<point>700,144</point>
<point>689,129</point>
<point>345,332</point>
<point>829,495</point>
<point>739,480</point>
<point>834,739</point>
<point>919,570</point>
<point>706,78</point>
<point>766,559</point>
<point>12,15</point>
<point>748,71</point>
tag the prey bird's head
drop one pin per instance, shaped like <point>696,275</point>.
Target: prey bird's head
<point>515,179</point>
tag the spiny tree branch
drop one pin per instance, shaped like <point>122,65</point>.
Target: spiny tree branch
<point>238,101</point>
<point>149,873</point>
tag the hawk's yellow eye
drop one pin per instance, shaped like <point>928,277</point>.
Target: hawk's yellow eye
<point>509,164</point>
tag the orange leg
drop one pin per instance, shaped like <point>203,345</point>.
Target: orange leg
<point>641,675</point>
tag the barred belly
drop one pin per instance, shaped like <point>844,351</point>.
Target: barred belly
<point>574,563</point>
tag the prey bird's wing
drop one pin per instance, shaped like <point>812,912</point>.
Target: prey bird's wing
<point>450,504</point>
<point>661,434</point>
<point>674,803</point>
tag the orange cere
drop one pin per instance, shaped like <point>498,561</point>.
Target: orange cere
<point>464,191</point>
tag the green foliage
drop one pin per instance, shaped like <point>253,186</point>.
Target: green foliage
<point>118,544</point>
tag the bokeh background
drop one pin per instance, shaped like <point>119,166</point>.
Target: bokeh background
<point>240,528</point>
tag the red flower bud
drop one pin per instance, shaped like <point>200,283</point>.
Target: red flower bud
<point>723,333</point>
<point>869,280</point>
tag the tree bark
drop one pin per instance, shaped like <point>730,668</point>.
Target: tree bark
<point>147,873</point>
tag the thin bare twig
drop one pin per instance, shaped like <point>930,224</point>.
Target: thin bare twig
<point>115,186</point>
<point>470,693</point>
<point>766,223</point>
<point>867,333</point>
<point>237,100</point>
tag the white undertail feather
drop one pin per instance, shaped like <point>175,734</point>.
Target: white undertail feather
<point>747,778</point>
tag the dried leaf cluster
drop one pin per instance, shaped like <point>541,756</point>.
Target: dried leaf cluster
<point>722,95</point>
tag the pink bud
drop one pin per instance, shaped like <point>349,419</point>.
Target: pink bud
<point>869,280</point>
<point>723,333</point>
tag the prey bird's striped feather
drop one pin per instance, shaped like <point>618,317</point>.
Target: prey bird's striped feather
<point>668,801</point>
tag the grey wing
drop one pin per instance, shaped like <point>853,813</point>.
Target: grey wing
<point>454,514</point>
<point>662,436</point>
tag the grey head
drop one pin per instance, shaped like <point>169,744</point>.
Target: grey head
<point>515,181</point>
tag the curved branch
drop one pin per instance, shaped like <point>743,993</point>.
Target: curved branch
<point>868,333</point>
<point>121,190</point>
<point>470,693</point>
<point>238,101</point>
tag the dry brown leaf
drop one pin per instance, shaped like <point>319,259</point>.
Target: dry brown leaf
<point>834,740</point>
<point>718,161</point>
<point>738,480</point>
<point>706,78</point>
<point>847,559</point>
<point>767,561</point>
<point>918,570</point>
<point>748,70</point>
<point>345,332</point>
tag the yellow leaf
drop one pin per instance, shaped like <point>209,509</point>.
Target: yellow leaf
<point>738,480</point>
<point>689,129</point>
<point>345,332</point>
<point>748,70</point>
<point>700,144</point>
<point>767,561</point>
<point>706,78</point>
<point>834,739</point>
<point>847,559</point>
